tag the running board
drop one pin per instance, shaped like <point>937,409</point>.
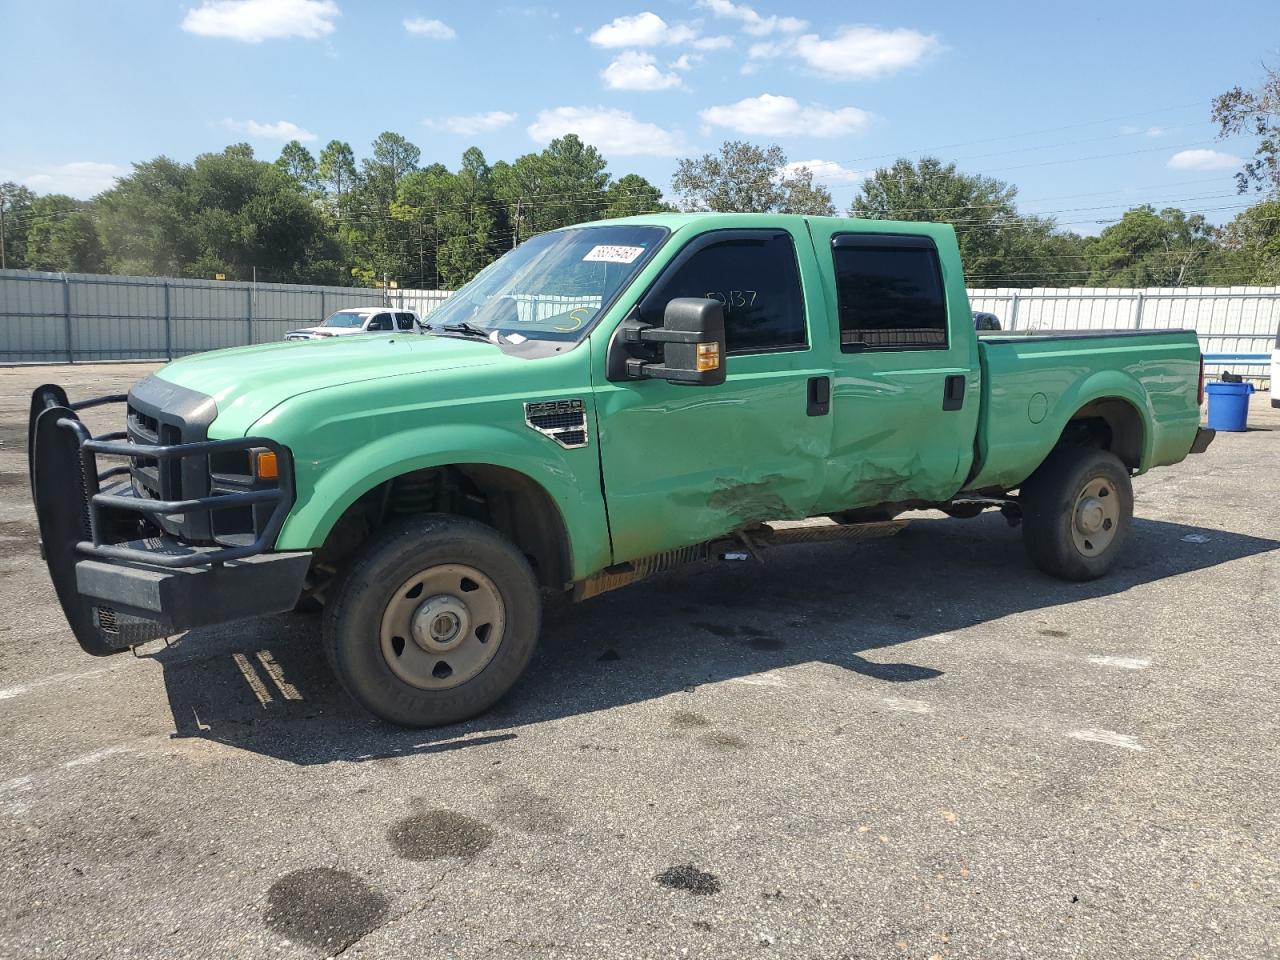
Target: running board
<point>765,535</point>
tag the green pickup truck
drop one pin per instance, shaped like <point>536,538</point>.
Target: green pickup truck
<point>604,402</point>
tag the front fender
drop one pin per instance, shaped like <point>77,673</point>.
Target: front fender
<point>569,477</point>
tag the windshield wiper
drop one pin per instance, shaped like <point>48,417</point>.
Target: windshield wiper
<point>467,328</point>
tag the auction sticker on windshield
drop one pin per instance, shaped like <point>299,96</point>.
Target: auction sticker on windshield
<point>612,253</point>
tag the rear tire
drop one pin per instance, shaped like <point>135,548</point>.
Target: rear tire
<point>433,621</point>
<point>1077,509</point>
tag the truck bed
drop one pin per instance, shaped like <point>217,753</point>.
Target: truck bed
<point>1034,384</point>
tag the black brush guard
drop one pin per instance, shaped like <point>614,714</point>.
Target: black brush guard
<point>118,591</point>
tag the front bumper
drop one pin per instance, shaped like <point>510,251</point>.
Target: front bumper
<point>119,578</point>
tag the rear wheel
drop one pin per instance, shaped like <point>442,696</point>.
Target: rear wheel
<point>433,622</point>
<point>1077,509</point>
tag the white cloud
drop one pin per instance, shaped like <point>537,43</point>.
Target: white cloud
<point>642,30</point>
<point>685,61</point>
<point>470,124</point>
<point>612,131</point>
<point>712,43</point>
<point>827,171</point>
<point>280,130</point>
<point>861,53</point>
<point>1149,131</point>
<point>773,116</point>
<point>431,29</point>
<point>253,21</point>
<point>82,179</point>
<point>753,22</point>
<point>1203,160</point>
<point>636,70</point>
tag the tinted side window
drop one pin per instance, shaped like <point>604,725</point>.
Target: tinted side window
<point>891,298</point>
<point>404,321</point>
<point>381,322</point>
<point>757,281</point>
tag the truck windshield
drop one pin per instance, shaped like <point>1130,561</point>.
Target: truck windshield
<point>344,320</point>
<point>551,287</point>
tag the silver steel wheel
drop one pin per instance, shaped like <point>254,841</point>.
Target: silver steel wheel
<point>442,626</point>
<point>1096,517</point>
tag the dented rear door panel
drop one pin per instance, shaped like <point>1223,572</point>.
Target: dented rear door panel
<point>892,439</point>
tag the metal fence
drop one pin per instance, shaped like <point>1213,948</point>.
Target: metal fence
<point>1237,326</point>
<point>53,317</point>
<point>73,317</point>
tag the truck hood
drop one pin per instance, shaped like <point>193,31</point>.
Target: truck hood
<point>247,382</point>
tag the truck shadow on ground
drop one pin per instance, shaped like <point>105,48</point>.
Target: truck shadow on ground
<point>264,686</point>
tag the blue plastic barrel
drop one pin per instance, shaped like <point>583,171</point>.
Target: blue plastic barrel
<point>1228,405</point>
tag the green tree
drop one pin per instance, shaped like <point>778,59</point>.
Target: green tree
<point>745,178</point>
<point>297,161</point>
<point>999,246</point>
<point>1251,246</point>
<point>804,196</point>
<point>146,220</point>
<point>249,214</point>
<point>1148,249</point>
<point>1255,113</point>
<point>459,224</point>
<point>337,170</point>
<point>562,185</point>
<point>633,195</point>
<point>17,201</point>
<point>63,236</point>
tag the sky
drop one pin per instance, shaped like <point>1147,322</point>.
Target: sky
<point>1088,108</point>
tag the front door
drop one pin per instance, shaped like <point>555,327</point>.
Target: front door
<point>905,391</point>
<point>683,464</point>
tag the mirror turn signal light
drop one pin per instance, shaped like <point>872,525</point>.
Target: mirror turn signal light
<point>265,466</point>
<point>708,357</point>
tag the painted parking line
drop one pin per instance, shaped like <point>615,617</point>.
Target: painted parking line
<point>1108,737</point>
<point>1121,663</point>
<point>18,689</point>
<point>907,705</point>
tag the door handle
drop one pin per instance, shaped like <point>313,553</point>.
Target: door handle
<point>819,396</point>
<point>953,392</point>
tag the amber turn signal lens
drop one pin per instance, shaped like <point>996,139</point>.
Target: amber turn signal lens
<point>708,357</point>
<point>265,466</point>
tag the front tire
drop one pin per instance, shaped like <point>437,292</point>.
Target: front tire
<point>1077,509</point>
<point>433,621</point>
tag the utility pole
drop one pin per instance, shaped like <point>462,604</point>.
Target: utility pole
<point>2,200</point>
<point>515,232</point>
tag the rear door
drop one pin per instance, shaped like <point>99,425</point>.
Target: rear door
<point>905,391</point>
<point>683,464</point>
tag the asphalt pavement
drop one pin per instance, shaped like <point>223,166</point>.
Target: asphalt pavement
<point>911,748</point>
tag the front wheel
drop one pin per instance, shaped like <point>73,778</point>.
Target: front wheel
<point>433,622</point>
<point>1076,512</point>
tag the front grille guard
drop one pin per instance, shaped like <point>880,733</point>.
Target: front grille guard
<point>117,445</point>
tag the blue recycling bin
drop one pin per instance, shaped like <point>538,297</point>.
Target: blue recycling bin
<point>1228,405</point>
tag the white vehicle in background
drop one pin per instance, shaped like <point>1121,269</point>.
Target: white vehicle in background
<point>354,320</point>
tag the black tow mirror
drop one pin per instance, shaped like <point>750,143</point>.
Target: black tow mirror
<point>688,348</point>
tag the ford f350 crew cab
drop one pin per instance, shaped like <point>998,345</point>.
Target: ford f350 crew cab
<point>606,401</point>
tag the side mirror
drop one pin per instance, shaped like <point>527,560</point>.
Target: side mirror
<point>688,348</point>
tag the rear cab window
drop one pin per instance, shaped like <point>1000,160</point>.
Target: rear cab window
<point>889,293</point>
<point>754,274</point>
<point>404,321</point>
